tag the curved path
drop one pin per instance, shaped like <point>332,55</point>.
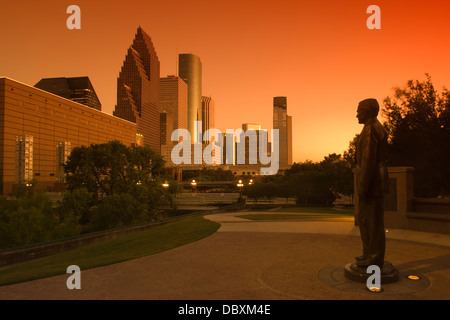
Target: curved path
<point>244,259</point>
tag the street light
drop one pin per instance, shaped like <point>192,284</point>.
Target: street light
<point>165,184</point>
<point>193,184</point>
<point>250,182</point>
<point>240,185</point>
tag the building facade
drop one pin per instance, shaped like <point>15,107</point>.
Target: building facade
<point>190,70</point>
<point>283,123</point>
<point>38,130</point>
<point>78,89</point>
<point>173,107</point>
<point>208,114</point>
<point>138,89</point>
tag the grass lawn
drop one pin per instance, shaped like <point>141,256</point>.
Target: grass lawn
<point>307,210</point>
<point>281,216</point>
<point>127,247</point>
<point>316,210</point>
<point>303,213</point>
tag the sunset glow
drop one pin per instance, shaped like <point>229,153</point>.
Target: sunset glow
<point>319,54</point>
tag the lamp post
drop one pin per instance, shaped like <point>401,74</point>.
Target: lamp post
<point>240,185</point>
<point>194,185</point>
<point>165,184</point>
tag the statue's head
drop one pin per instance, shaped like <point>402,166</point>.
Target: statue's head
<point>367,109</point>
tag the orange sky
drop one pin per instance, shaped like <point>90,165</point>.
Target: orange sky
<point>319,54</point>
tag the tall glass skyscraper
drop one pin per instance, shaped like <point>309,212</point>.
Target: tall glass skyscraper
<point>283,123</point>
<point>190,70</point>
<point>138,88</point>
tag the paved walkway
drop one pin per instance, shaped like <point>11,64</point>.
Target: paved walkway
<point>274,260</point>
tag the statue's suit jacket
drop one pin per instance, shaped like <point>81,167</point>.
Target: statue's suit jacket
<point>371,160</point>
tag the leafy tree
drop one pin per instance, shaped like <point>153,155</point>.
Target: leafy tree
<point>339,174</point>
<point>26,219</point>
<point>208,175</point>
<point>311,184</point>
<point>118,210</point>
<point>255,191</point>
<point>111,168</point>
<point>76,205</point>
<point>124,183</point>
<point>417,119</point>
<point>284,187</point>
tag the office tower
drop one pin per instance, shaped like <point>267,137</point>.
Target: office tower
<point>138,88</point>
<point>283,123</point>
<point>78,89</point>
<point>166,128</point>
<point>251,144</point>
<point>228,148</point>
<point>190,70</point>
<point>208,113</point>
<point>173,106</point>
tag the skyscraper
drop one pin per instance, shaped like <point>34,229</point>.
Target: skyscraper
<point>190,70</point>
<point>138,88</point>
<point>173,102</point>
<point>250,139</point>
<point>283,123</point>
<point>208,113</point>
<point>78,89</point>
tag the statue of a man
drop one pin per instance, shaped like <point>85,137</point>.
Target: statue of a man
<point>372,179</point>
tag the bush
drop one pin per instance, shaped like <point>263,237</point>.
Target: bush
<point>118,210</point>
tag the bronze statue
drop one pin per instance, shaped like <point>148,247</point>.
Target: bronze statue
<point>372,181</point>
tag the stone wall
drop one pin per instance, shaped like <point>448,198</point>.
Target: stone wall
<point>403,211</point>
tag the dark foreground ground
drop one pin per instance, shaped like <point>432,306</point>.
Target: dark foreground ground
<point>263,260</point>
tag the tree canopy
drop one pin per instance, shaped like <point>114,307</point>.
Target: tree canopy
<point>112,185</point>
<point>310,183</point>
<point>418,123</point>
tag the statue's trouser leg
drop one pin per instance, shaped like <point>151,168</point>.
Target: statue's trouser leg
<point>371,226</point>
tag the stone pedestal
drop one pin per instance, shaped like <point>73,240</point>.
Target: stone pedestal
<point>389,273</point>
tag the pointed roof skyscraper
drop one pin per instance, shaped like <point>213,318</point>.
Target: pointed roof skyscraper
<point>138,89</point>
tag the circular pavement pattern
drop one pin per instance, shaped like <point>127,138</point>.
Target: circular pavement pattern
<point>334,276</point>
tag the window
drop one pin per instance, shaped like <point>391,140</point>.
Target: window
<point>23,159</point>
<point>63,150</point>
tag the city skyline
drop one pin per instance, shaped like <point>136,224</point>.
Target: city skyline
<point>319,55</point>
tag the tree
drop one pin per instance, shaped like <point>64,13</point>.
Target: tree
<point>76,205</point>
<point>124,184</point>
<point>311,183</point>
<point>339,174</point>
<point>111,168</point>
<point>255,191</point>
<point>28,218</point>
<point>417,120</point>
